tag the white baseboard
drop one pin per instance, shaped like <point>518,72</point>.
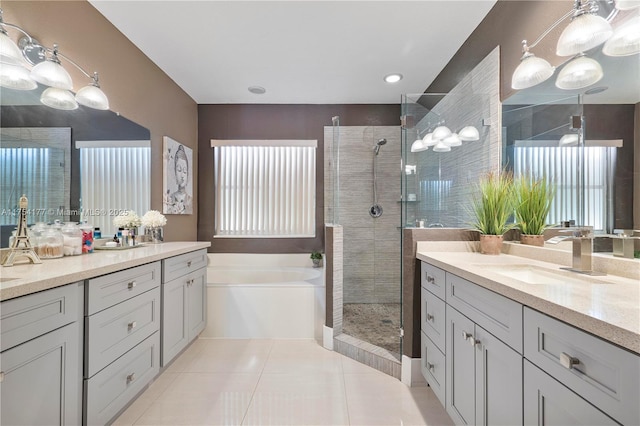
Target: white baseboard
<point>411,374</point>
<point>327,338</point>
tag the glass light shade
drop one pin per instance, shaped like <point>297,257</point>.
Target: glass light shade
<point>627,4</point>
<point>441,147</point>
<point>429,140</point>
<point>93,97</point>
<point>52,74</point>
<point>9,51</point>
<point>570,139</point>
<point>625,40</point>
<point>441,132</point>
<point>418,146</point>
<point>16,77</point>
<point>469,133</point>
<point>531,71</point>
<point>58,99</point>
<point>579,73</point>
<point>583,33</point>
<point>453,140</point>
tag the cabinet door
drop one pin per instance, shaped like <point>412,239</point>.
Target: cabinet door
<point>175,335</point>
<point>547,402</point>
<point>460,371</point>
<point>197,303</point>
<point>41,380</point>
<point>498,381</point>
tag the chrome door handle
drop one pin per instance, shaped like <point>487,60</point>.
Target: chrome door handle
<point>430,366</point>
<point>567,361</point>
<point>429,317</point>
<point>131,285</point>
<point>132,325</point>
<point>469,337</point>
<point>131,377</point>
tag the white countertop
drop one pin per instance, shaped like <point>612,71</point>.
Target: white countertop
<point>608,307</point>
<point>23,279</point>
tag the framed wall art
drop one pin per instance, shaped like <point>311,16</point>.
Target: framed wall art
<point>177,188</point>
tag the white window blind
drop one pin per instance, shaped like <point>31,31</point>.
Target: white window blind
<point>265,191</point>
<point>561,167</point>
<point>114,179</point>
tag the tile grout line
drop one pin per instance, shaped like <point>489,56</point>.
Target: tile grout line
<point>257,383</point>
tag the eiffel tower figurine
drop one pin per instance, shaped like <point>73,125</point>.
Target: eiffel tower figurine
<point>16,251</point>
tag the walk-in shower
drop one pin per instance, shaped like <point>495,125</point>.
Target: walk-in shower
<point>376,209</point>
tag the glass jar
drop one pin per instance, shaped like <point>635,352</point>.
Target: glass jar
<point>87,237</point>
<point>72,239</point>
<point>50,244</point>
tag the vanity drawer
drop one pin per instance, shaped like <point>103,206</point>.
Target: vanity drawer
<point>112,332</point>
<point>432,364</point>
<point>605,375</point>
<point>433,279</point>
<point>27,317</point>
<point>497,314</point>
<point>109,290</point>
<point>433,318</point>
<point>177,266</point>
<point>109,391</point>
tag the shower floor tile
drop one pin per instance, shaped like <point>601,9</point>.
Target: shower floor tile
<point>340,392</point>
<point>376,323</point>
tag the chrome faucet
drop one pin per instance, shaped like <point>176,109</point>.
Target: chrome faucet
<point>582,240</point>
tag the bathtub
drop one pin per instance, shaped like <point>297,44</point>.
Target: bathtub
<point>264,296</point>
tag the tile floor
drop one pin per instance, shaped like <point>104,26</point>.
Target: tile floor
<point>278,382</point>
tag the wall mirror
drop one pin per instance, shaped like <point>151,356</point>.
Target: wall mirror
<point>594,178</point>
<point>84,164</point>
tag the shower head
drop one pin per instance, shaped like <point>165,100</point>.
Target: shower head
<point>379,144</point>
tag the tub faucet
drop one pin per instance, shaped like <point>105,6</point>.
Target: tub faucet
<point>582,240</point>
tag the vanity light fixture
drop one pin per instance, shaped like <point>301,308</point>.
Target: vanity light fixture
<point>570,139</point>
<point>47,70</point>
<point>586,30</point>
<point>419,144</point>
<point>441,132</point>
<point>469,133</point>
<point>441,147</point>
<point>392,78</point>
<point>429,140</point>
<point>452,140</point>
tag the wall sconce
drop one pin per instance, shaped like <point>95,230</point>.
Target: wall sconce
<point>47,70</point>
<point>585,31</point>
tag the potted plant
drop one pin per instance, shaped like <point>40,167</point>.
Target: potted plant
<point>533,202</point>
<point>492,205</point>
<point>316,257</point>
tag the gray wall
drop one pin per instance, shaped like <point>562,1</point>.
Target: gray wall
<point>371,246</point>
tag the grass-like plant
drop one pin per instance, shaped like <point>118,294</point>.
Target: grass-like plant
<point>533,202</point>
<point>316,255</point>
<point>493,203</point>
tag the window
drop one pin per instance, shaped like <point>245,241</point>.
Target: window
<point>562,167</point>
<point>115,176</point>
<point>265,188</point>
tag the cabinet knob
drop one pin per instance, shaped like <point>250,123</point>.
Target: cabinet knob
<point>131,285</point>
<point>467,336</point>
<point>568,361</point>
<point>132,325</point>
<point>430,366</point>
<point>131,377</point>
<point>189,264</point>
<point>1,376</point>
<point>429,317</point>
<point>431,280</point>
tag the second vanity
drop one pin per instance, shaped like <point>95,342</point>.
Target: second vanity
<point>81,337</point>
<point>512,340</point>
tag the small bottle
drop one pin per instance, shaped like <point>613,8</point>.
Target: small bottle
<point>97,234</point>
<point>120,232</point>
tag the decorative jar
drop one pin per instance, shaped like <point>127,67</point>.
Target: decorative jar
<point>72,239</point>
<point>154,234</point>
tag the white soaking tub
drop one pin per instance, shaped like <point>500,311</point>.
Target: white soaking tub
<point>264,296</point>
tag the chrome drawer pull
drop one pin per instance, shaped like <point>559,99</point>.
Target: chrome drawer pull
<point>431,280</point>
<point>1,376</point>
<point>132,325</point>
<point>429,317</point>
<point>430,366</point>
<point>469,337</point>
<point>131,285</point>
<point>567,361</point>
<point>131,377</point>
<point>189,264</point>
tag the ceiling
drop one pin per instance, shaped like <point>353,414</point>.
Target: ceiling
<point>301,52</point>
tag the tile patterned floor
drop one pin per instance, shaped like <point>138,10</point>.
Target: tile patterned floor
<point>278,382</point>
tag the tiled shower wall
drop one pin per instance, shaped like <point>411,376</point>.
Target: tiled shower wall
<point>371,246</point>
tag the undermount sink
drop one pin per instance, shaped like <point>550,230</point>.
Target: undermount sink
<point>532,274</point>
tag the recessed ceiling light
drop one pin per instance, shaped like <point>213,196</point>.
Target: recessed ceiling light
<point>596,90</point>
<point>257,90</point>
<point>393,78</point>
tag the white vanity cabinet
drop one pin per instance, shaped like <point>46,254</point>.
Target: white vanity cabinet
<point>122,339</point>
<point>40,358</point>
<point>483,373</point>
<point>184,309</point>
